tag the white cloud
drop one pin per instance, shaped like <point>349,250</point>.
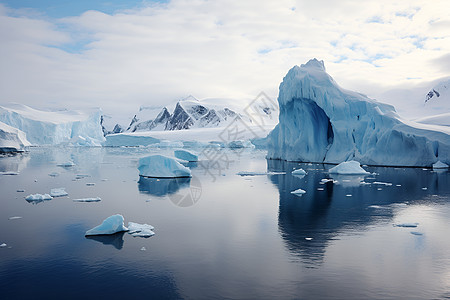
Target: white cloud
<point>219,48</point>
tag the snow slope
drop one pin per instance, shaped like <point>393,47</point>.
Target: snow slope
<point>55,127</point>
<point>321,122</point>
<point>12,139</point>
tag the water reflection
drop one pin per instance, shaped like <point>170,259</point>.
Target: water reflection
<point>162,187</point>
<point>115,240</point>
<point>14,163</point>
<point>329,208</point>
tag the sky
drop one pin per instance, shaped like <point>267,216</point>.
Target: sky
<point>119,55</point>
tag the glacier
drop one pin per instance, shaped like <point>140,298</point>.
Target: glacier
<point>321,122</point>
<point>160,166</point>
<point>12,139</point>
<point>77,128</point>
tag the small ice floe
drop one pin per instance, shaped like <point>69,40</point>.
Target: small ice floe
<point>81,176</point>
<point>424,188</point>
<point>379,189</point>
<point>90,184</point>
<point>110,225</point>
<point>348,168</point>
<point>320,189</point>
<point>325,180</point>
<point>308,238</point>
<point>398,185</point>
<point>20,191</point>
<point>408,225</point>
<point>53,174</point>
<point>9,173</point>
<point>3,245</point>
<point>58,192</point>
<point>382,183</point>
<point>66,164</point>
<point>298,192</point>
<point>416,233</point>
<point>14,218</point>
<point>96,199</point>
<point>143,249</point>
<point>299,172</point>
<point>348,195</point>
<point>38,197</point>
<point>252,173</point>
<point>140,230</point>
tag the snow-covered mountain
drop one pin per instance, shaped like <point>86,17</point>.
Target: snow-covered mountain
<point>55,127</point>
<point>191,113</point>
<point>321,122</point>
<point>436,107</point>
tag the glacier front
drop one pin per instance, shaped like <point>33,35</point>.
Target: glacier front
<point>78,128</point>
<point>321,122</point>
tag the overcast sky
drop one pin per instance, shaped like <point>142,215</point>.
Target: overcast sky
<point>120,54</point>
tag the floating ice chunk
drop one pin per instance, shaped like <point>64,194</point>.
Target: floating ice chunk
<point>325,180</point>
<point>308,238</point>
<point>20,191</point>
<point>406,225</point>
<point>14,218</point>
<point>252,173</point>
<point>66,164</point>
<point>424,188</point>
<point>382,183</point>
<point>298,172</point>
<point>140,230</point>
<point>186,155</point>
<point>38,197</point>
<point>348,195</point>
<point>416,233</point>
<point>440,165</point>
<point>298,192</point>
<point>143,249</point>
<point>58,192</point>
<point>9,173</point>
<point>320,189</point>
<point>90,184</point>
<point>80,176</point>
<point>3,245</point>
<point>160,166</point>
<point>53,174</point>
<point>348,168</point>
<point>96,199</point>
<point>110,225</point>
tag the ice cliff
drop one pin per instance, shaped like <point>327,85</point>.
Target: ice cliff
<point>55,127</point>
<point>12,139</point>
<point>321,122</point>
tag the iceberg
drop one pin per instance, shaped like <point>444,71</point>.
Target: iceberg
<point>321,122</point>
<point>348,168</point>
<point>110,225</point>
<point>186,155</point>
<point>12,139</point>
<point>58,192</point>
<point>160,166</point>
<point>129,140</point>
<point>298,172</point>
<point>140,230</point>
<point>440,165</point>
<point>54,127</point>
<point>38,197</point>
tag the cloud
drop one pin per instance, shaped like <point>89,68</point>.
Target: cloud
<point>163,51</point>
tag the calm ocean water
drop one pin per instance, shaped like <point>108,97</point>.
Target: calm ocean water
<point>220,235</point>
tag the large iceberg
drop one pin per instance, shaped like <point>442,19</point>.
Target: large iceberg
<point>161,166</point>
<point>321,122</point>
<point>12,139</point>
<point>110,225</point>
<point>55,127</point>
